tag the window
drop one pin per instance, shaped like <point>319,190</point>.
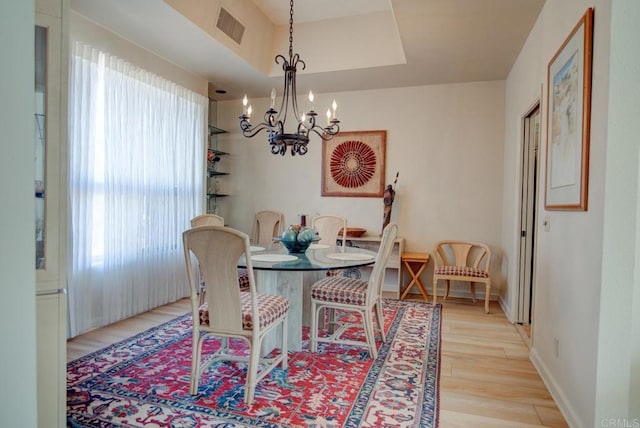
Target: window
<point>136,166</point>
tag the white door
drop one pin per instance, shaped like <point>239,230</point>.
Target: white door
<point>530,146</point>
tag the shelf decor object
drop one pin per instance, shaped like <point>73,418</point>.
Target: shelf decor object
<point>274,121</point>
<point>569,120</point>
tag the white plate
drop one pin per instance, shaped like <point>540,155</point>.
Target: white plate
<point>350,256</point>
<point>255,248</point>
<point>318,246</point>
<point>273,257</point>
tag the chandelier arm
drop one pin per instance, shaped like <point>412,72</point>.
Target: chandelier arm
<point>328,132</point>
<point>295,61</point>
<point>311,119</point>
<point>250,130</point>
<point>334,128</point>
<point>285,62</point>
<point>322,133</point>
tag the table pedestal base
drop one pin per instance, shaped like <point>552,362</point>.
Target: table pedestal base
<point>295,286</point>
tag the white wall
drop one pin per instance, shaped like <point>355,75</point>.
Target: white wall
<point>568,258</point>
<point>446,141</point>
<point>618,369</point>
<point>18,405</point>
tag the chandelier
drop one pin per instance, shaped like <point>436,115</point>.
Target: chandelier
<point>274,120</point>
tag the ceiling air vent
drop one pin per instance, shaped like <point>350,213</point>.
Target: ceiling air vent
<point>230,26</point>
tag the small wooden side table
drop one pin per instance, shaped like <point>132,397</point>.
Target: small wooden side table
<point>420,260</point>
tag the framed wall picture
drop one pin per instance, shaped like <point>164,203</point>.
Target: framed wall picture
<point>569,120</point>
<point>353,164</point>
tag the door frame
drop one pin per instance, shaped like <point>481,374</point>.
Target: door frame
<point>528,212</point>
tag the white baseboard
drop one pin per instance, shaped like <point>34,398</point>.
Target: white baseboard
<point>556,392</point>
<point>507,310</point>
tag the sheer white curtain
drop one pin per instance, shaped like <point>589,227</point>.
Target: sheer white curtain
<point>136,160</point>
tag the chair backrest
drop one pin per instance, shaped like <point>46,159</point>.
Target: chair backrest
<point>329,227</point>
<point>216,250</point>
<point>266,225</point>
<point>462,253</point>
<point>207,220</point>
<point>376,279</point>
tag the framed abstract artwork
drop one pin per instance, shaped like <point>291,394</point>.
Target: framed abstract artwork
<point>569,120</point>
<point>353,164</point>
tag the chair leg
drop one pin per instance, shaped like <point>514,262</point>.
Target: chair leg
<point>195,362</point>
<point>446,290</point>
<point>435,291</point>
<point>252,370</point>
<point>472,285</point>
<point>486,297</point>
<point>285,356</point>
<point>380,319</point>
<point>369,334</point>
<point>313,335</point>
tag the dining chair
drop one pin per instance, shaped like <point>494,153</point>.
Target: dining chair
<point>207,220</point>
<point>331,229</point>
<point>462,261</point>
<point>356,295</point>
<point>266,225</point>
<point>228,312</point>
<point>216,220</point>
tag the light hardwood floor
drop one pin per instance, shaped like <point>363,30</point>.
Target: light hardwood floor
<point>486,379</point>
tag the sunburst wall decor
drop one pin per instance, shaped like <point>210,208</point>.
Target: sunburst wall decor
<point>353,164</point>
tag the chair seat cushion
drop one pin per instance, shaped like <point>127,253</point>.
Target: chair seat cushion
<point>243,279</point>
<point>270,308</point>
<point>340,289</point>
<point>461,271</point>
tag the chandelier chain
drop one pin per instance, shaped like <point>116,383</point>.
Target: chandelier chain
<point>291,30</point>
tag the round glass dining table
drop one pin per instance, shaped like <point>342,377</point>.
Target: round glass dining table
<point>291,275</point>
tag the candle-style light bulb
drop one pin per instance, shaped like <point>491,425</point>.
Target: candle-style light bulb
<point>303,117</point>
<point>249,110</point>
<point>311,100</point>
<point>334,105</point>
<point>244,104</point>
<point>328,117</point>
<point>273,97</point>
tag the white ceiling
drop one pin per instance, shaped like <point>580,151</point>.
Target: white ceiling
<point>442,41</point>
<point>315,10</point>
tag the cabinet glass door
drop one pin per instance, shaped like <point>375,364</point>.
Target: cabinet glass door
<point>40,141</point>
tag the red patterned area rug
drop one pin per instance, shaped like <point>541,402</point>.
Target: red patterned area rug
<point>143,381</point>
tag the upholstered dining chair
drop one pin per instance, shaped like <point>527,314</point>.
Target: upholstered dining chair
<point>462,261</point>
<point>216,220</point>
<point>330,229</point>
<point>227,311</point>
<point>353,294</point>
<point>266,225</point>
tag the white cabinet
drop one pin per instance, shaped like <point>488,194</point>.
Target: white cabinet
<point>392,274</point>
<point>50,193</point>
<point>51,313</point>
